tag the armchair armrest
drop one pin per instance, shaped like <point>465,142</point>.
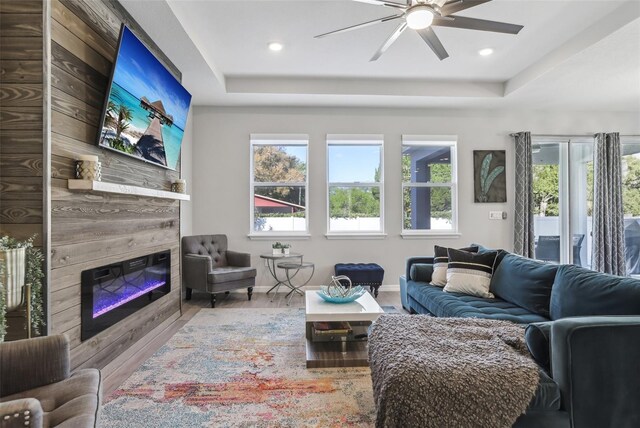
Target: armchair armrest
<point>195,269</point>
<point>237,259</point>
<point>412,260</point>
<point>594,360</point>
<point>16,413</point>
<point>30,363</point>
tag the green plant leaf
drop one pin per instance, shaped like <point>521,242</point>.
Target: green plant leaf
<point>484,170</point>
<point>486,185</point>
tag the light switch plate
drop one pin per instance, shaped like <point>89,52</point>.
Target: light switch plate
<point>495,215</point>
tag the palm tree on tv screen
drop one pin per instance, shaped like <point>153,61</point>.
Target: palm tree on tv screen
<point>119,117</point>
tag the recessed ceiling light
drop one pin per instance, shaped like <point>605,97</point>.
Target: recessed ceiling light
<point>275,46</point>
<point>485,51</point>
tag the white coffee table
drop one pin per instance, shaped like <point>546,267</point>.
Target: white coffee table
<point>339,350</point>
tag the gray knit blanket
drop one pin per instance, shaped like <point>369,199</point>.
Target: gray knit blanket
<point>449,372</point>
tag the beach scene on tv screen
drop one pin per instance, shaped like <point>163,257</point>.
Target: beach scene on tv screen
<point>147,108</point>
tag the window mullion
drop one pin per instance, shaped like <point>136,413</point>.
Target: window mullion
<point>428,184</point>
<point>354,184</point>
<point>278,184</point>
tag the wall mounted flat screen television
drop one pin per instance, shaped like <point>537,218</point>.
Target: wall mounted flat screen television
<point>146,110</point>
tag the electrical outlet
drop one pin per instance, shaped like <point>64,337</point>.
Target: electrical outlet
<point>495,215</point>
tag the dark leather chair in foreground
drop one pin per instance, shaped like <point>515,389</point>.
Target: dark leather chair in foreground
<point>37,389</point>
<point>207,265</point>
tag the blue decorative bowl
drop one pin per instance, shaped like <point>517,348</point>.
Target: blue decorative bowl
<point>357,292</point>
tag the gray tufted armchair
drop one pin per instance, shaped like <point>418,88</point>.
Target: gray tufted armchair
<point>208,266</point>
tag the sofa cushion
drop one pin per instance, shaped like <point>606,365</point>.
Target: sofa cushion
<point>441,264</point>
<point>537,337</point>
<point>470,273</point>
<point>73,402</point>
<point>230,273</point>
<point>442,304</point>
<point>581,292</point>
<point>422,272</point>
<point>525,282</point>
<point>547,396</point>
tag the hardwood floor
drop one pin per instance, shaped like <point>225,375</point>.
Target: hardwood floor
<point>201,300</point>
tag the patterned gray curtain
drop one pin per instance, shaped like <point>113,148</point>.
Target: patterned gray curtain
<point>523,218</point>
<point>608,212</point>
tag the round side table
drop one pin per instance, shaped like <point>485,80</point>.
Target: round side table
<point>295,267</point>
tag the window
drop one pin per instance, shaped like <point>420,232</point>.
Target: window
<point>631,202</point>
<point>355,184</point>
<point>279,184</point>
<point>429,188</point>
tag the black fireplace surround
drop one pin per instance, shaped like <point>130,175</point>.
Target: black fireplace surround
<point>113,292</point>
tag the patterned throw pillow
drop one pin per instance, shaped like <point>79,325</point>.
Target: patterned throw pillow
<point>470,273</point>
<point>441,263</point>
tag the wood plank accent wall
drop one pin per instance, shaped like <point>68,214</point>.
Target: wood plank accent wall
<point>21,118</point>
<point>94,229</point>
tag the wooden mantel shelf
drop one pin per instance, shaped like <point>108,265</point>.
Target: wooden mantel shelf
<point>101,186</point>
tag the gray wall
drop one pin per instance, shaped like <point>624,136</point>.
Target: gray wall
<point>220,189</point>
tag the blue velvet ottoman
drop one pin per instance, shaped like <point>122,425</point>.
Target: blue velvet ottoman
<point>365,274</point>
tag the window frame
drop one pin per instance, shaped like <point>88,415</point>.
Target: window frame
<point>355,140</point>
<point>257,140</point>
<point>432,141</point>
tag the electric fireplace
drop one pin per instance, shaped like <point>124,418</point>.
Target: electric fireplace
<point>113,292</point>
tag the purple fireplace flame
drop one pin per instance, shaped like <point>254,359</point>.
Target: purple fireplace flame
<point>110,297</point>
<point>113,292</point>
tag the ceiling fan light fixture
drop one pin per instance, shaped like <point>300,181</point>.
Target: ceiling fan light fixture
<point>419,17</point>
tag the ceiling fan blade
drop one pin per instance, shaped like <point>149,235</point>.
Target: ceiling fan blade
<point>459,5</point>
<point>477,24</point>
<point>384,3</point>
<point>357,26</point>
<point>392,38</point>
<point>430,38</point>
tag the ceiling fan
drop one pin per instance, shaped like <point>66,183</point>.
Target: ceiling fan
<point>423,15</point>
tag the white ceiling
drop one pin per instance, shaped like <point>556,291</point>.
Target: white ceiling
<point>571,54</point>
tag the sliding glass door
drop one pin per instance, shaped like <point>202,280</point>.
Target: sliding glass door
<point>631,202</point>
<point>563,200</point>
<point>580,202</point>
<point>563,197</point>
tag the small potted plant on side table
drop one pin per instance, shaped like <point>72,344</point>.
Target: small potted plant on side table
<point>285,249</point>
<point>276,248</point>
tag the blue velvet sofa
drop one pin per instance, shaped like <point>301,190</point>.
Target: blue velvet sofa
<point>583,329</point>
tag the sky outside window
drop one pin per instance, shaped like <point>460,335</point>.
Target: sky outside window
<point>354,164</point>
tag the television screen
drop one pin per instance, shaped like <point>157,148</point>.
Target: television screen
<point>146,111</point>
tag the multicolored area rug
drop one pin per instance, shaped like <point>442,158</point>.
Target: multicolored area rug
<point>240,368</point>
